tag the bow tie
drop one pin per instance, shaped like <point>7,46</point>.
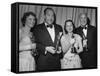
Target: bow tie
<point>49,26</point>
<point>85,28</point>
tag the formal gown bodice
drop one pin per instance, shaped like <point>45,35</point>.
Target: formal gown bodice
<point>70,60</point>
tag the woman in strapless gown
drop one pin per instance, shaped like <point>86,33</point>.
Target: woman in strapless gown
<point>26,60</point>
<point>71,46</point>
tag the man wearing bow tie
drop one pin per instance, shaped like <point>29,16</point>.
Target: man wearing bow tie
<point>46,35</point>
<point>89,39</point>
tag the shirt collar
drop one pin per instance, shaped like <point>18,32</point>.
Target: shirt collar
<point>86,26</point>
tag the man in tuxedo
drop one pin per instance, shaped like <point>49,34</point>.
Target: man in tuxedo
<point>46,37</point>
<point>89,40</point>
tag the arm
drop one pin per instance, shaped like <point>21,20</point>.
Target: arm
<point>44,49</point>
<point>65,45</point>
<point>80,49</point>
<point>39,46</point>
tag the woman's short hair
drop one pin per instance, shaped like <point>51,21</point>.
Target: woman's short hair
<point>72,25</point>
<point>23,19</point>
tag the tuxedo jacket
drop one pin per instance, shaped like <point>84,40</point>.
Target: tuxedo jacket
<point>91,36</point>
<point>89,56</point>
<point>46,61</point>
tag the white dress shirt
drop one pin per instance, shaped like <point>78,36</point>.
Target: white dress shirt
<point>51,32</point>
<point>85,31</point>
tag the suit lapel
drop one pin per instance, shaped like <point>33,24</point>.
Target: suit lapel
<point>81,32</point>
<point>88,30</point>
<point>56,35</point>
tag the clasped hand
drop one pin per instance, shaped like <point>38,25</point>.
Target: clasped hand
<point>52,50</point>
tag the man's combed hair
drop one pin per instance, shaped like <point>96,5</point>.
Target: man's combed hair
<point>48,9</point>
<point>53,12</point>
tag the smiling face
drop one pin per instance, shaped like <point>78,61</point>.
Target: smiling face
<point>30,21</point>
<point>49,16</point>
<point>69,27</point>
<point>83,20</point>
